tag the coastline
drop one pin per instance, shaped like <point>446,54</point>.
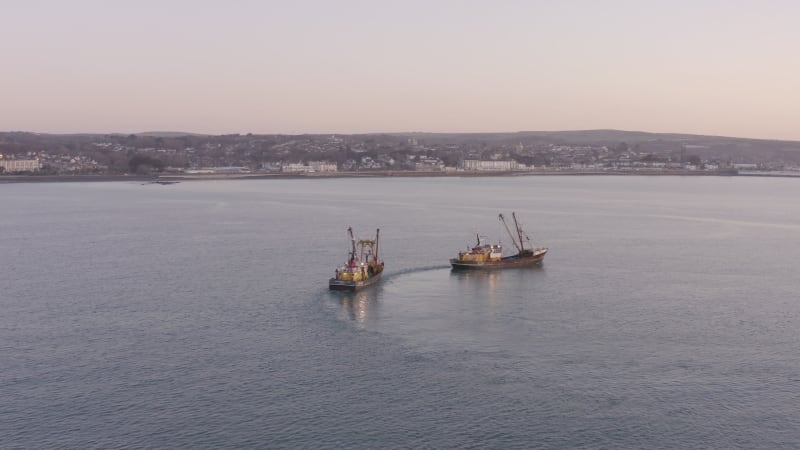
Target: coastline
<point>7,179</point>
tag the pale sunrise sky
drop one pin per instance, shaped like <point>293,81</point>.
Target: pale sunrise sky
<point>721,67</point>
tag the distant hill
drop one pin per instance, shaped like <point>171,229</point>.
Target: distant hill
<point>254,149</point>
<point>168,134</point>
<point>706,147</point>
<point>589,136</point>
<point>567,137</point>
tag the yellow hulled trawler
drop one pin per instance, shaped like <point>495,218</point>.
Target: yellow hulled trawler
<point>490,256</point>
<point>363,266</point>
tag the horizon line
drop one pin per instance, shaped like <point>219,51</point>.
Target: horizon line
<point>191,133</point>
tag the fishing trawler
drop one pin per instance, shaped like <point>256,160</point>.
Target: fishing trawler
<point>490,256</point>
<point>363,266</point>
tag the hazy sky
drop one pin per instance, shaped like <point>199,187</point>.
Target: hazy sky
<point>722,67</point>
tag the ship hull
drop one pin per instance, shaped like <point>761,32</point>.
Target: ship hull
<point>507,262</point>
<point>342,285</point>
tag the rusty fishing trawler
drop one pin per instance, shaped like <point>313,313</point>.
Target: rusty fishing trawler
<point>363,266</point>
<point>490,256</point>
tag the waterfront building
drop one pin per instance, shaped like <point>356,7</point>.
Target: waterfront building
<point>20,165</point>
<point>498,166</point>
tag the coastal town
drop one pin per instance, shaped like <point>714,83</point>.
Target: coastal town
<point>421,153</point>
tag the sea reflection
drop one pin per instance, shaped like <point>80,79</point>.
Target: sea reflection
<point>358,306</point>
<point>483,282</point>
<point>478,278</point>
<point>491,284</point>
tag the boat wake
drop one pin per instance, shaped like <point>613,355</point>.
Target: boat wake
<point>388,277</point>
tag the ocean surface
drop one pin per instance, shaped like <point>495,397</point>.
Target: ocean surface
<point>197,315</point>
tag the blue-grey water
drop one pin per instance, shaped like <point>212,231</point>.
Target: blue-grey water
<point>666,315</point>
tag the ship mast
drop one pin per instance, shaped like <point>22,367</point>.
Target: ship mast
<point>353,242</point>
<point>519,230</point>
<point>513,241</point>
<point>377,240</point>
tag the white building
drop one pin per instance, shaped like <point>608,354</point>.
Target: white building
<point>20,165</point>
<point>312,166</point>
<point>499,166</point>
<point>322,166</point>
<point>295,168</point>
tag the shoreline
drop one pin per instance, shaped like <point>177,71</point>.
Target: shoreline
<point>7,179</point>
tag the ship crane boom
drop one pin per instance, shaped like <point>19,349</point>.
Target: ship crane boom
<point>510,234</point>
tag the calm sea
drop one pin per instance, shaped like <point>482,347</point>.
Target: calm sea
<point>666,315</point>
